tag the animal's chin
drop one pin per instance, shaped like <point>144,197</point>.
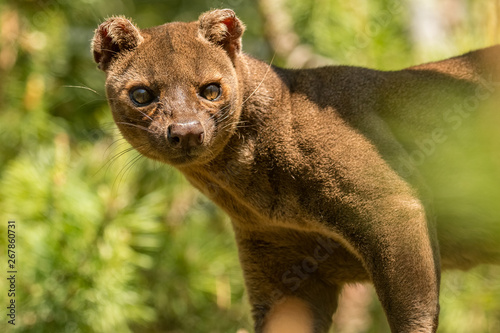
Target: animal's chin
<point>179,158</point>
<point>184,159</point>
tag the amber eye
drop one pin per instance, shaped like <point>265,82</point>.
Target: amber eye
<point>211,92</point>
<point>141,96</point>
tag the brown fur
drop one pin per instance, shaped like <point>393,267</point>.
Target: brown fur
<point>320,170</point>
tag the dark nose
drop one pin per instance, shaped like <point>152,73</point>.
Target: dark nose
<point>186,135</point>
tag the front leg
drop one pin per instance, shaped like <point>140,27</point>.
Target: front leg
<point>401,256</point>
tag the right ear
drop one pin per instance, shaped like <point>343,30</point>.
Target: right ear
<point>112,37</point>
<point>223,28</point>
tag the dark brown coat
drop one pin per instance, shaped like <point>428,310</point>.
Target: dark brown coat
<point>330,175</point>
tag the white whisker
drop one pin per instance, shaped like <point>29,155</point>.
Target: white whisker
<point>262,81</point>
<point>82,87</point>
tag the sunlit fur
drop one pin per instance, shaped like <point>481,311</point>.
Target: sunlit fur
<point>330,175</point>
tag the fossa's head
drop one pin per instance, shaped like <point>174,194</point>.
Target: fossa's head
<point>173,89</point>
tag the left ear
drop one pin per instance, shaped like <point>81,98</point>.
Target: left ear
<point>222,27</point>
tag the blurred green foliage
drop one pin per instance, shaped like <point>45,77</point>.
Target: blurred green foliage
<point>107,241</point>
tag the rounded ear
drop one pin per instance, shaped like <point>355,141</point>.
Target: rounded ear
<point>112,37</point>
<point>222,27</point>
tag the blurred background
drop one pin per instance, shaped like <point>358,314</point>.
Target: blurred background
<point>108,241</point>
